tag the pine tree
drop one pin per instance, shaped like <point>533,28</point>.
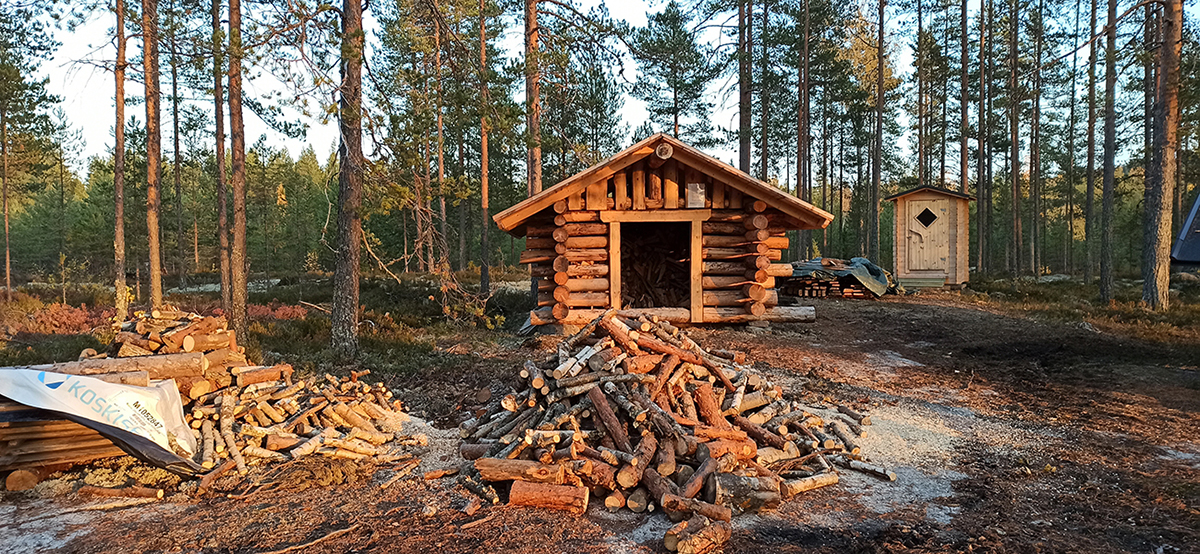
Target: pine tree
<point>675,73</point>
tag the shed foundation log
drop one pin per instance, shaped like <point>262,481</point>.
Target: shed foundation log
<point>555,497</point>
<point>777,314</point>
<point>739,297</point>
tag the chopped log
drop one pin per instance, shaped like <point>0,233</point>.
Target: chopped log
<point>126,337</point>
<point>693,506</point>
<point>638,500</point>
<point>665,458</point>
<point>206,342</point>
<point>641,364</point>
<point>743,450</point>
<point>710,465</point>
<point>124,492</point>
<point>631,475</point>
<point>157,367</point>
<point>472,451</point>
<point>862,419</point>
<point>796,486</point>
<point>746,494</point>
<point>838,428</point>
<point>873,469</point>
<point>614,501</point>
<point>710,410</point>
<point>702,535</point>
<point>494,469</point>
<point>555,497</point>
<point>759,433</point>
<point>263,374</point>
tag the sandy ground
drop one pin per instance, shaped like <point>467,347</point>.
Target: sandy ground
<point>1006,434</point>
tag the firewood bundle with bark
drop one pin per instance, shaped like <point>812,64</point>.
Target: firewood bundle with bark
<point>633,410</point>
<point>170,331</point>
<point>265,416</point>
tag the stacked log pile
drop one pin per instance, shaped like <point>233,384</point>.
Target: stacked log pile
<point>241,414</point>
<point>634,413</point>
<point>264,416</point>
<point>843,287</point>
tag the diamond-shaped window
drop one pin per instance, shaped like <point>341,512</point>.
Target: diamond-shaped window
<point>927,217</point>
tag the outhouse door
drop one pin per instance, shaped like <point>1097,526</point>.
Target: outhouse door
<point>928,235</point>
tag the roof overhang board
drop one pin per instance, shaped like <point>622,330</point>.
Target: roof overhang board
<point>808,215</point>
<point>509,220</point>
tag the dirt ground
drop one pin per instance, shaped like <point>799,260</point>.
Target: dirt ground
<point>1007,434</point>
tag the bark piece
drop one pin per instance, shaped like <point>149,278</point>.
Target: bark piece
<point>543,495</point>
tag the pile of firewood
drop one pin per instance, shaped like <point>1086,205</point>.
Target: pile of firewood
<point>204,341</point>
<point>265,416</point>
<point>633,410</point>
<point>844,287</point>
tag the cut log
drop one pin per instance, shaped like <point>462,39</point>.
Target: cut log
<point>614,501</point>
<point>746,494</point>
<point>630,475</point>
<point>263,374</point>
<point>862,419</point>
<point>702,535</point>
<point>206,342</point>
<point>693,506</point>
<point>555,497</point>
<point>638,500</point>
<point>157,367</point>
<point>796,486</point>
<point>776,314</point>
<point>125,492</point>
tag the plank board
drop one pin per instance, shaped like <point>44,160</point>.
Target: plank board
<point>597,193</point>
<point>670,185</point>
<point>614,264</point>
<point>621,191</point>
<point>639,187</point>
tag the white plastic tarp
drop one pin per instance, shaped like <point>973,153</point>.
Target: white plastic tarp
<point>154,413</point>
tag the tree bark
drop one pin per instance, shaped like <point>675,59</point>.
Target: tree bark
<point>920,70</point>
<point>485,285</point>
<point>344,334</point>
<point>1110,152</point>
<point>218,48</point>
<point>1089,226</point>
<point>4,186</point>
<point>1035,150</point>
<point>121,296</point>
<point>153,146</point>
<point>177,160</point>
<point>877,156</point>
<point>764,97</point>
<point>533,101</point>
<point>1156,250</point>
<point>743,88</point>
<point>963,102</point>
<point>238,264</point>
<point>982,186</point>
<point>1014,135</point>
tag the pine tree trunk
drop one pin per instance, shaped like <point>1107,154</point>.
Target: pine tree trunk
<point>4,186</point>
<point>533,99</point>
<point>344,333</point>
<point>764,97</point>
<point>963,103</point>
<point>1069,240</point>
<point>485,285</point>
<point>1089,224</point>
<point>877,155</point>
<point>444,255</point>
<point>1014,136</point>
<point>238,265</point>
<point>803,155</point>
<point>1156,251</point>
<point>180,242</point>
<point>982,188</point>
<point>1035,151</point>
<point>920,70</point>
<point>218,47</point>
<point>119,287</point>
<point>743,89</point>
<point>1110,153</point>
<point>153,147</point>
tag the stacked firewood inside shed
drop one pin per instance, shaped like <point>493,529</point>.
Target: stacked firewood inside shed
<point>654,265</point>
<point>634,411</point>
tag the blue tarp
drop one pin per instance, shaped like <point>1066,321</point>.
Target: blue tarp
<point>874,278</point>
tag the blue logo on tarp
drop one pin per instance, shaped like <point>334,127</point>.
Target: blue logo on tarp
<point>51,386</point>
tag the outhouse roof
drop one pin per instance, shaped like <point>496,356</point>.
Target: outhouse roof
<point>931,188</point>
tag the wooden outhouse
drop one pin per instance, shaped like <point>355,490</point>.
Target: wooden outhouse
<point>661,228</point>
<point>931,237</point>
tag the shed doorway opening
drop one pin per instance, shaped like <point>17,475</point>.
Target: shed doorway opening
<point>655,265</point>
